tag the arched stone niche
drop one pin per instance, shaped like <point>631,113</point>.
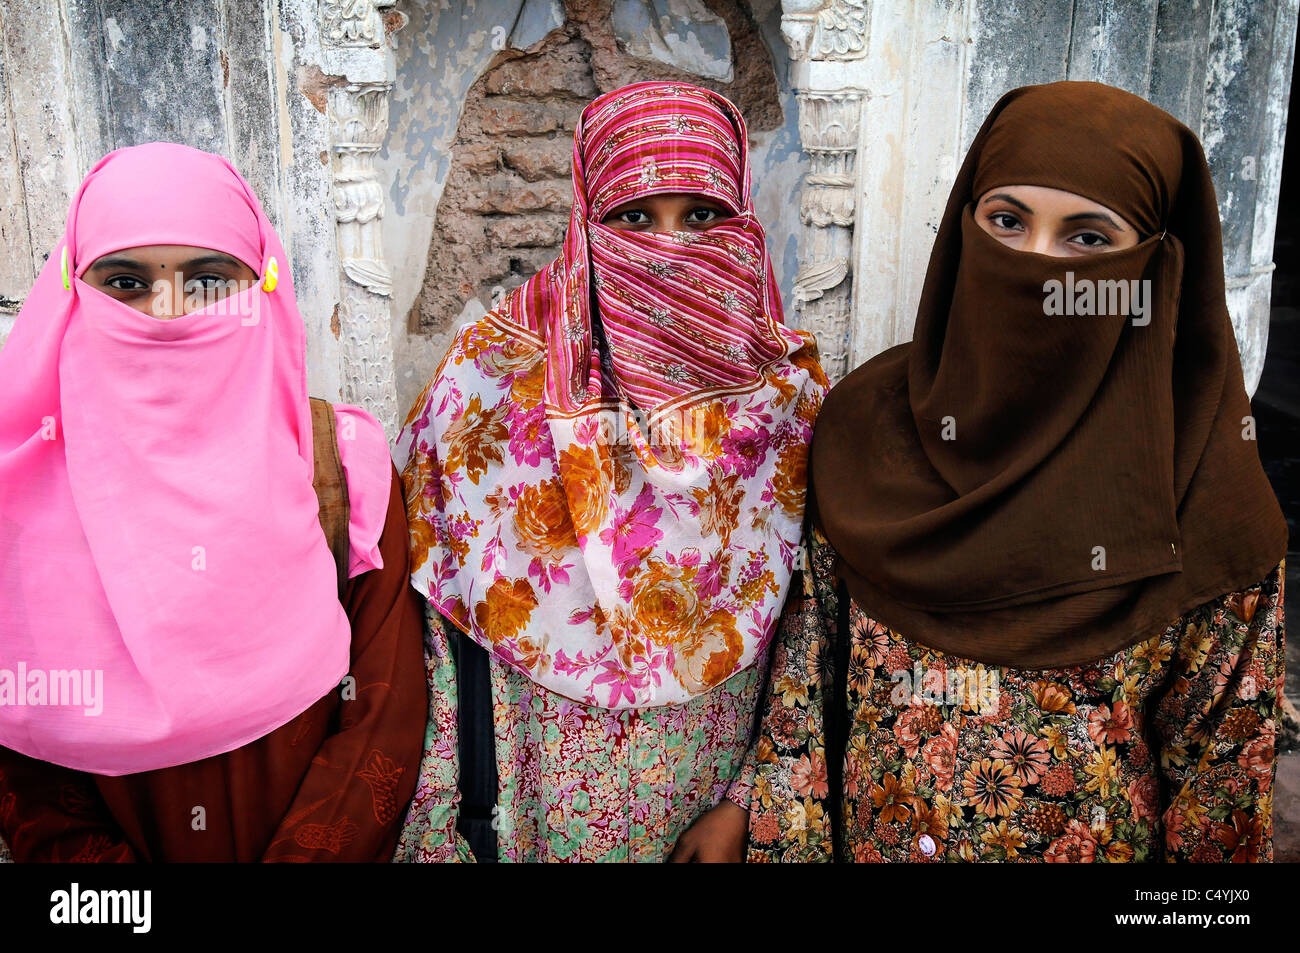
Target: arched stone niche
<point>481,137</point>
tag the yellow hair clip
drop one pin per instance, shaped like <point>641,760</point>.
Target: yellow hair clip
<point>272,275</point>
<point>67,279</point>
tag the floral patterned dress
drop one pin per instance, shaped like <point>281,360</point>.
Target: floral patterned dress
<point>1163,751</point>
<point>578,783</point>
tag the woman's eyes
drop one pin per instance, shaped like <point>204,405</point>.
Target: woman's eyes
<point>1005,220</point>
<point>1090,240</point>
<point>132,283</point>
<point>703,215</point>
<point>126,283</point>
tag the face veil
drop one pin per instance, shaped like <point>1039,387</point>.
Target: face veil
<point>158,526</point>
<point>1041,490</point>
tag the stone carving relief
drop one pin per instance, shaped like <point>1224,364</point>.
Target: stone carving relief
<point>353,22</point>
<point>825,29</point>
<point>828,130</point>
<point>357,113</point>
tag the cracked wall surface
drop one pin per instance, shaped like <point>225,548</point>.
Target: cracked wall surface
<point>489,203</point>
<point>464,193</point>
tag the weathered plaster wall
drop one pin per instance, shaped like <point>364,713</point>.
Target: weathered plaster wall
<point>478,155</point>
<point>79,79</point>
<point>908,85</point>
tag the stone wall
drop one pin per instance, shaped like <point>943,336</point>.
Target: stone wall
<point>481,135</point>
<point>506,201</point>
<point>414,159</point>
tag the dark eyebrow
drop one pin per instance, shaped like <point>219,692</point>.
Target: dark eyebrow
<point>1007,198</point>
<point>217,259</point>
<point>1096,217</point>
<point>119,261</point>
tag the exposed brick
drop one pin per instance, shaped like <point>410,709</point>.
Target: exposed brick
<point>508,195</point>
<point>479,158</point>
<point>464,231</point>
<point>539,158</point>
<point>509,267</point>
<point>561,72</point>
<point>528,231</point>
<point>508,117</point>
<point>528,261</point>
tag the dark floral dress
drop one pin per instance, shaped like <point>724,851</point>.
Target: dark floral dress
<point>1163,751</point>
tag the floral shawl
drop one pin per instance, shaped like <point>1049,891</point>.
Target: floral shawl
<point>611,503</point>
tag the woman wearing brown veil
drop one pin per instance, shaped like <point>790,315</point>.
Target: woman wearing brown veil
<point>1043,618</point>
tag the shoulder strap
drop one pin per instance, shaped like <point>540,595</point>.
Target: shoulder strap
<point>476,742</point>
<point>331,485</point>
<point>835,711</point>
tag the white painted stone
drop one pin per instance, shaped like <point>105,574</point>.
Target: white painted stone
<point>536,19</point>
<point>681,33</point>
<point>924,76</point>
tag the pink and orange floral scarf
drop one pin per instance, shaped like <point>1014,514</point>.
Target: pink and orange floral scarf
<point>622,527</point>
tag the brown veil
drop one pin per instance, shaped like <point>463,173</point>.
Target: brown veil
<point>1041,490</point>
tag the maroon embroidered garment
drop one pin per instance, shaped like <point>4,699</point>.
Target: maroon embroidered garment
<point>331,785</point>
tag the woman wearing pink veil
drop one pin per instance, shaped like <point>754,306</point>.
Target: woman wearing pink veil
<point>173,626</point>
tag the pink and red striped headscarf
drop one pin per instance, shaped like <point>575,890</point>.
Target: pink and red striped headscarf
<point>686,315</point>
<point>651,139</point>
<point>624,534</point>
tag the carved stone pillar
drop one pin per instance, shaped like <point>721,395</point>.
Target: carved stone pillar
<point>359,61</point>
<point>828,130</point>
<point>824,37</point>
<point>891,94</point>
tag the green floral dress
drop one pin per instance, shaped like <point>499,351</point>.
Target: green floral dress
<point>577,783</point>
<point>1163,751</point>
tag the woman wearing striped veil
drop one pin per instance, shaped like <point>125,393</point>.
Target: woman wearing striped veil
<point>605,483</point>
